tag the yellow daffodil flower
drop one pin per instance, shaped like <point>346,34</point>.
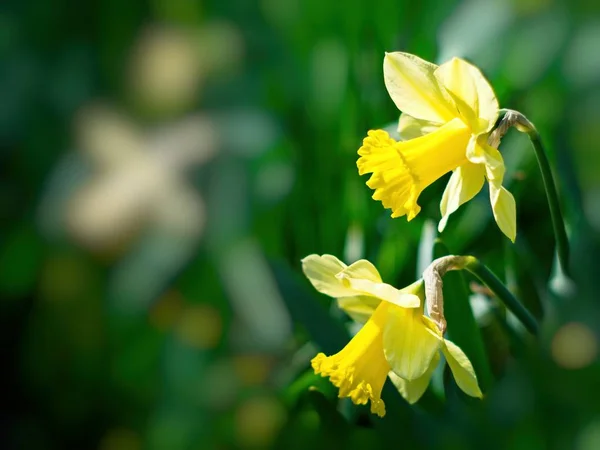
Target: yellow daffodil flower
<point>397,339</point>
<point>448,112</point>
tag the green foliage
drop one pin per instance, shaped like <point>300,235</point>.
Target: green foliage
<point>190,325</point>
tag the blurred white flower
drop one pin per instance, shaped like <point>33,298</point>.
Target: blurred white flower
<point>169,64</point>
<point>137,179</point>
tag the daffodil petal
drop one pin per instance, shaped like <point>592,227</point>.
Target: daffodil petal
<point>362,269</point>
<point>467,84</point>
<point>479,152</point>
<point>363,277</point>
<point>462,369</point>
<point>359,308</point>
<point>466,181</point>
<point>415,90</point>
<point>494,163</point>
<point>408,344</point>
<point>504,209</point>
<point>382,291</point>
<point>411,128</point>
<point>488,102</point>
<point>412,391</point>
<point>432,328</point>
<point>456,77</point>
<point>321,272</point>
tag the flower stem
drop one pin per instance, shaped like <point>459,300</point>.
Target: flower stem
<point>521,123</point>
<point>562,243</point>
<point>485,275</point>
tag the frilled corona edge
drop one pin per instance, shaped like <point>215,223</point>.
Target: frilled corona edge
<point>395,185</point>
<point>360,391</point>
<point>360,369</point>
<point>401,170</point>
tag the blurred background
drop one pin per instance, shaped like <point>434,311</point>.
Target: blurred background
<point>165,165</point>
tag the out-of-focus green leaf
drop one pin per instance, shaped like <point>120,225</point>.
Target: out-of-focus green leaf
<point>305,382</point>
<point>20,261</point>
<point>331,419</point>
<point>314,424</point>
<point>305,309</point>
<point>397,248</point>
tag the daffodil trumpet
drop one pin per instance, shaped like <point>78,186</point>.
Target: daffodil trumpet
<point>397,338</point>
<point>448,112</point>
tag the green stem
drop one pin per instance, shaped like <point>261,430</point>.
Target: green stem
<point>514,118</point>
<point>562,243</point>
<point>485,275</point>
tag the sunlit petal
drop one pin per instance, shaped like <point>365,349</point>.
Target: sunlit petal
<point>362,277</point>
<point>479,152</point>
<point>467,83</point>
<point>383,291</point>
<point>321,272</point>
<point>359,308</point>
<point>456,77</point>
<point>408,344</point>
<point>465,182</point>
<point>362,269</point>
<point>412,391</point>
<point>488,103</point>
<point>462,369</point>
<point>415,90</point>
<point>504,209</point>
<point>410,128</point>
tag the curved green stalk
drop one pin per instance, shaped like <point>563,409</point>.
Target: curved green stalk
<point>562,243</point>
<point>486,276</point>
<point>518,120</point>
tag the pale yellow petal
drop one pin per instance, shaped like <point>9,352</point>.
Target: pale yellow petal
<point>362,280</point>
<point>466,181</point>
<point>321,272</point>
<point>470,89</point>
<point>462,369</point>
<point>408,344</point>
<point>362,269</point>
<point>415,90</point>
<point>456,77</point>
<point>359,308</point>
<point>332,277</point>
<point>488,103</point>
<point>479,152</point>
<point>411,128</point>
<point>504,209</point>
<point>412,391</point>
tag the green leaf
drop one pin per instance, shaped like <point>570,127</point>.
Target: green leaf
<point>305,382</point>
<point>304,307</point>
